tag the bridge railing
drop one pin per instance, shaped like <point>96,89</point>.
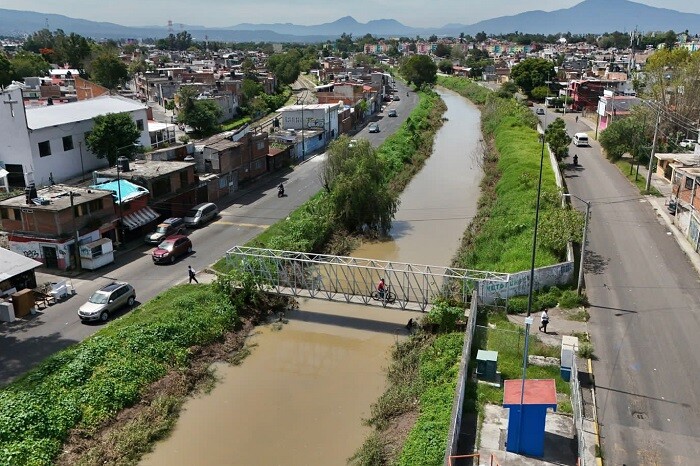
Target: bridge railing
<point>353,279</point>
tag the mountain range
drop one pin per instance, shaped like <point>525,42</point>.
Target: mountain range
<point>589,16</point>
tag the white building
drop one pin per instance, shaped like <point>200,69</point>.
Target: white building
<point>312,116</point>
<point>44,144</point>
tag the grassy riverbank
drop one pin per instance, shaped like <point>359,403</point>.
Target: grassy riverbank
<point>78,393</point>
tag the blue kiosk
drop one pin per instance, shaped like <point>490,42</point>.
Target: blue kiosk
<point>526,433</point>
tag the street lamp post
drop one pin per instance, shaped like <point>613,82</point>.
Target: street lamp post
<point>534,236</point>
<point>579,285</point>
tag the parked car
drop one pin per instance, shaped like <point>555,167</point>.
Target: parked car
<point>386,98</point>
<point>396,98</point>
<point>106,300</point>
<point>392,112</point>
<point>539,111</point>
<point>688,143</point>
<point>171,248</point>
<point>373,128</point>
<point>170,226</point>
<point>201,214</point>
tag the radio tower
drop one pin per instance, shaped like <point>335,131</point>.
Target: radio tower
<point>170,26</point>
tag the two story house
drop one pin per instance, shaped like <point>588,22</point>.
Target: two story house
<point>46,145</point>
<point>42,224</point>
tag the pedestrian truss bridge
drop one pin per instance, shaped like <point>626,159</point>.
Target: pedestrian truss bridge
<point>353,279</point>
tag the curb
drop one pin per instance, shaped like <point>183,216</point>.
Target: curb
<point>599,460</point>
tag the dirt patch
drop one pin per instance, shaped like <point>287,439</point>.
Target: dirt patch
<point>131,433</point>
<point>394,436</point>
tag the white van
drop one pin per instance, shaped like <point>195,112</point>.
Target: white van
<point>201,214</point>
<point>581,139</point>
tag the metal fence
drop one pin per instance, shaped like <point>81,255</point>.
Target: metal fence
<point>577,407</point>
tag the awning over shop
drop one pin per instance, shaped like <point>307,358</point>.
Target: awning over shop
<point>139,218</point>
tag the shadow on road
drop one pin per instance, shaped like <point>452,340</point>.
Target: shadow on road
<point>595,263</point>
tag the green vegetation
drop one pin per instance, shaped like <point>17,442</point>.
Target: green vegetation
<point>423,372</point>
<point>420,70</point>
<point>550,297</point>
<point>508,339</point>
<point>629,169</point>
<point>86,385</point>
<point>112,135</point>
<point>235,123</point>
<point>466,88</point>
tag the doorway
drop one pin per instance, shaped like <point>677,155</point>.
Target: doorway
<point>50,257</point>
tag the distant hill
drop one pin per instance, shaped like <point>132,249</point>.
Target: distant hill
<point>589,16</point>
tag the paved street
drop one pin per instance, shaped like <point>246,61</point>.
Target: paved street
<point>25,342</point>
<point>644,300</point>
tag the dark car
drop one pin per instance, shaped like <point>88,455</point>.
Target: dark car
<point>106,300</point>
<point>396,98</point>
<point>171,248</point>
<point>170,226</point>
<point>540,111</point>
<point>373,128</point>
<point>392,112</point>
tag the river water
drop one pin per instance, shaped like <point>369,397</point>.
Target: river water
<point>300,397</point>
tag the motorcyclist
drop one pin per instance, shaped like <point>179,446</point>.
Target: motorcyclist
<point>280,190</point>
<point>575,160</point>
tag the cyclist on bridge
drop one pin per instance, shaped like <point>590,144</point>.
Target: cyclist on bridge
<point>381,288</point>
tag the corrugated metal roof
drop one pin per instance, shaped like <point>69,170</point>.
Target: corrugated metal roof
<point>55,115</point>
<point>13,264</point>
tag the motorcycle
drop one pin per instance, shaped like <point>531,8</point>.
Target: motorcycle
<point>575,160</point>
<point>280,191</point>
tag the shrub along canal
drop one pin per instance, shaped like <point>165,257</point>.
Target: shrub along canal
<point>301,395</point>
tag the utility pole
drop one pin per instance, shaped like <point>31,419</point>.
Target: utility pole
<point>653,149</point>
<point>76,234</point>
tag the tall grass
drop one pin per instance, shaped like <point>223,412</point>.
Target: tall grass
<point>87,384</point>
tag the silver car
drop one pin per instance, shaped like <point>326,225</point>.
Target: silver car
<point>106,300</point>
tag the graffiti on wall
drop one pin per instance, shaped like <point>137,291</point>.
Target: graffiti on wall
<point>519,283</point>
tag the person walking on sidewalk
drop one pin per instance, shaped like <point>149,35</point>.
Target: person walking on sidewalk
<point>544,320</point>
<point>191,273</point>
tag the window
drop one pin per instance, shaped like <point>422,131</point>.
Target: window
<point>95,205</point>
<point>161,187</point>
<point>260,145</point>
<point>10,214</point>
<point>183,180</point>
<point>44,149</point>
<point>139,125</point>
<point>67,143</point>
<point>689,182</point>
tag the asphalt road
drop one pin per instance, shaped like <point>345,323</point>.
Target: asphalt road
<point>645,320</point>
<point>26,342</point>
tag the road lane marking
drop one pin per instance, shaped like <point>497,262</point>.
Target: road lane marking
<point>244,225</point>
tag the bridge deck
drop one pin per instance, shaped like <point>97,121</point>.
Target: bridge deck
<point>398,305</point>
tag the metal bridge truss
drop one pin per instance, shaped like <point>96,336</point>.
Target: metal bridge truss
<point>352,279</point>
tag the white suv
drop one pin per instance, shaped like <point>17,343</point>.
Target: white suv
<point>688,143</point>
<point>106,300</point>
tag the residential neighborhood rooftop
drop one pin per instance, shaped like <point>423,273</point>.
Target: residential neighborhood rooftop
<point>56,115</point>
<point>56,197</point>
<point>146,169</point>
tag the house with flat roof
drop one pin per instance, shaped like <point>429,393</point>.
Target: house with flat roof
<point>46,145</point>
<point>42,224</point>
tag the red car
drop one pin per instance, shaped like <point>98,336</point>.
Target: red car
<point>171,248</point>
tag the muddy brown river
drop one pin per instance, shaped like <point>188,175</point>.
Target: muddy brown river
<point>300,397</point>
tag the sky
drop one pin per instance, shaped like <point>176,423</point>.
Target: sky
<point>219,13</point>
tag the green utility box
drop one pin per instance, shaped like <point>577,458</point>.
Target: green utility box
<point>486,362</point>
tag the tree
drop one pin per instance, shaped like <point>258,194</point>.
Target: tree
<point>558,139</point>
<point>26,64</point>
<point>445,66</point>
<point>353,176</point>
<point>626,135</point>
<point>203,116</point>
<point>108,70</point>
<point>559,226</point>
<point>250,89</point>
<point>419,70</point>
<point>74,49</point>
<point>507,90</point>
<point>531,73</point>
<point>112,135</point>
<point>442,50</point>
<point>6,70</point>
<point>285,66</point>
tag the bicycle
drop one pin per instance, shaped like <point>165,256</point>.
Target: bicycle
<point>388,297</point>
